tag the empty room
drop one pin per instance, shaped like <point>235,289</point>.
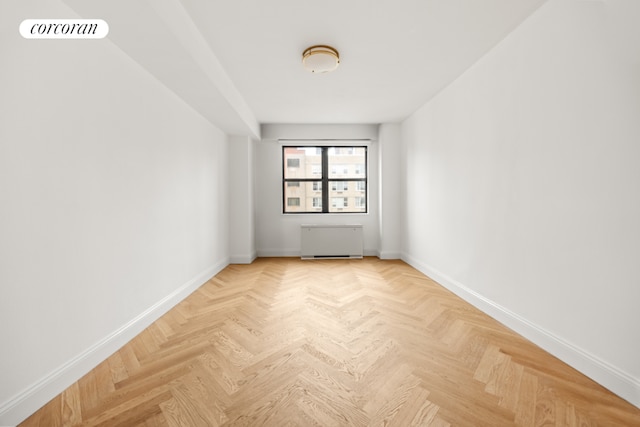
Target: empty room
<point>338,213</point>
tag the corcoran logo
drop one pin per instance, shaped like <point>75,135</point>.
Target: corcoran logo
<point>64,29</point>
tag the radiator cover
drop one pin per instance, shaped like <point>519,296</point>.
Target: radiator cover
<point>331,241</point>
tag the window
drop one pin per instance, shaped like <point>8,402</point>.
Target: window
<point>323,179</point>
<point>339,170</point>
<point>339,202</point>
<point>340,186</point>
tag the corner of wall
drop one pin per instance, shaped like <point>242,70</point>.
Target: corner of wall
<point>243,259</point>
<point>22,405</point>
<point>619,382</point>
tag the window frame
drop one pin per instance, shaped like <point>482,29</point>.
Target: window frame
<point>325,181</point>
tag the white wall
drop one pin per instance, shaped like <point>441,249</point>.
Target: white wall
<point>523,186</point>
<point>390,185</point>
<point>242,246</point>
<point>113,206</point>
<point>278,234</point>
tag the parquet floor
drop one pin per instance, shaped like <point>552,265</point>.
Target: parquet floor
<point>285,342</point>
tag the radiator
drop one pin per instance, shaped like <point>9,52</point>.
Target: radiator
<point>331,241</point>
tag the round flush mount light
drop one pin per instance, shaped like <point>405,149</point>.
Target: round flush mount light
<point>320,59</point>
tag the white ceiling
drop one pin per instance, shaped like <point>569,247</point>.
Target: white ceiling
<point>246,54</point>
<point>395,55</point>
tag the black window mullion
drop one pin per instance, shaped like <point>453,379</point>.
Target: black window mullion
<point>366,180</point>
<point>325,180</point>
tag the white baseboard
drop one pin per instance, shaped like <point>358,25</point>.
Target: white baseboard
<point>619,382</point>
<point>243,259</point>
<point>389,255</point>
<point>21,406</point>
<point>277,253</point>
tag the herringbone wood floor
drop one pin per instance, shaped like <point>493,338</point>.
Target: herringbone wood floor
<point>285,342</point>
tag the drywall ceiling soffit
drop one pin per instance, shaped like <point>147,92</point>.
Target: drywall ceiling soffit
<point>160,36</point>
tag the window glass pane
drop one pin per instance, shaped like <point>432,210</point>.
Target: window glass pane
<point>302,162</point>
<point>347,162</point>
<point>312,196</point>
<point>292,197</point>
<point>347,196</point>
<point>301,196</point>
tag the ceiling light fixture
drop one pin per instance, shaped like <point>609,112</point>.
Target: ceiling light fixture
<point>320,59</point>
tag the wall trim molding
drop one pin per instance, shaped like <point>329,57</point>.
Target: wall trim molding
<point>617,381</point>
<point>25,403</point>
